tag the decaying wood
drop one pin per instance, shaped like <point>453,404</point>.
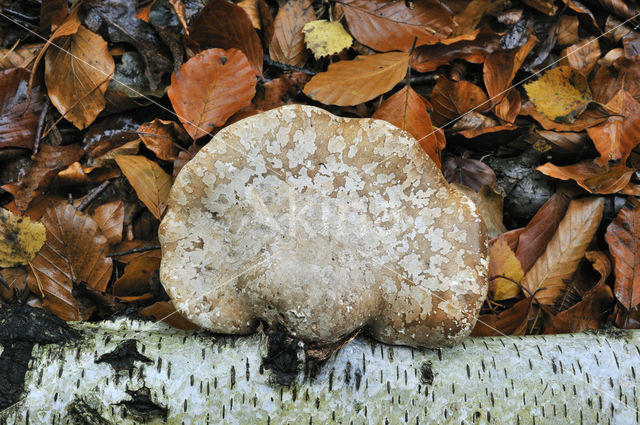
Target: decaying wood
<point>130,372</point>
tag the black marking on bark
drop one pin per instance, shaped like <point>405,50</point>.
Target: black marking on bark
<point>143,407</point>
<point>282,357</point>
<point>123,356</point>
<point>191,380</point>
<point>358,376</point>
<point>468,371</point>
<point>233,376</point>
<point>426,373</point>
<point>347,373</point>
<point>331,380</point>
<point>21,327</point>
<point>247,369</point>
<point>81,413</point>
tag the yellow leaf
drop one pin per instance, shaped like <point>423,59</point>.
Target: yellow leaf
<point>562,94</point>
<point>503,262</point>
<point>151,183</point>
<point>20,239</point>
<point>326,38</point>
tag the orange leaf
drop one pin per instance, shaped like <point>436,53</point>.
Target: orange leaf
<point>591,176</point>
<point>164,311</point>
<point>74,254</point>
<point>280,91</point>
<point>135,281</point>
<point>210,87</point>
<point>225,25</point>
<point>512,321</point>
<point>160,137</point>
<point>76,81</point>
<point>450,99</point>
<point>581,56</point>
<point>615,138</point>
<point>587,119</point>
<point>110,219</point>
<point>353,82</point>
<point>548,278</point>
<point>469,19</point>
<point>501,66</point>
<point>623,74</point>
<point>509,107</point>
<point>151,183</point>
<point>589,313</point>
<point>287,44</point>
<point>503,263</point>
<point>384,26</point>
<point>408,111</point>
<point>19,111</point>
<point>623,238</point>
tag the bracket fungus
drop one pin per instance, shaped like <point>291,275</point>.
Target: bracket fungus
<point>323,225</point>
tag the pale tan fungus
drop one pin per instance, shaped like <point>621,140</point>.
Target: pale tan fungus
<point>299,217</point>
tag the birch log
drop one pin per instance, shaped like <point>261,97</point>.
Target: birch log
<point>132,372</point>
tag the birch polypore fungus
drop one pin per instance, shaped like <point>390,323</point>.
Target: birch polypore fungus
<point>323,225</point>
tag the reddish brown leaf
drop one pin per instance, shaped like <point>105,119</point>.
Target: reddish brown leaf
<point>210,87</point>
<point>566,143</point>
<point>73,255</point>
<point>622,74</point>
<point>469,19</point>
<point>501,66</point>
<point>110,219</point>
<point>509,107</point>
<point>75,174</point>
<point>407,110</point>
<point>591,176</point>
<point>512,321</point>
<point>348,83</point>
<point>280,91</point>
<point>287,43</point>
<point>615,138</point>
<point>469,172</point>
<point>151,183</point>
<point>134,284</point>
<point>451,99</point>
<point>545,6</point>
<point>19,111</point>
<point>225,25</point>
<point>623,238</point>
<point>567,30</point>
<point>589,313</point>
<point>588,118</point>
<point>581,56</point>
<point>536,235</point>
<point>160,137</point>
<point>16,278</point>
<point>53,13</point>
<point>164,311</point>
<point>473,47</point>
<point>20,57</point>
<point>392,25</point>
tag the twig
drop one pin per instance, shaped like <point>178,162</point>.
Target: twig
<point>134,250</point>
<point>285,67</point>
<point>43,114</point>
<point>92,195</point>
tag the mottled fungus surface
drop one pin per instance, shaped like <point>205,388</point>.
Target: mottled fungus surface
<point>324,225</point>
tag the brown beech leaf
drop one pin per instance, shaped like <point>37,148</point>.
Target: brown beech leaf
<point>280,91</point>
<point>134,284</point>
<point>53,13</point>
<point>348,83</point>
<point>251,9</point>
<point>19,110</point>
<point>110,219</point>
<point>16,278</point>
<point>44,167</point>
<point>164,311</point>
<point>76,174</point>
<point>73,255</point>
<point>512,321</point>
<point>615,138</point>
<point>469,172</point>
<point>621,74</point>
<point>392,25</point>
<point>503,263</point>
<point>623,238</point>
<point>76,81</point>
<point>581,56</point>
<point>472,47</point>
<point>509,107</point>
<point>407,110</point>
<point>489,203</point>
<point>566,143</point>
<point>225,25</point>
<point>20,57</point>
<point>548,278</point>
<point>567,30</point>
<point>536,235</point>
<point>591,176</point>
<point>451,99</point>
<point>287,43</point>
<point>469,19</point>
<point>587,119</point>
<point>160,137</point>
<point>151,183</point>
<point>501,66</point>
<point>589,313</point>
<point>210,87</point>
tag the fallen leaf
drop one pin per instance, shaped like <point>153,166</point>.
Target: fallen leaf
<point>501,66</point>
<point>512,321</point>
<point>20,111</point>
<point>547,7</point>
<point>16,278</point>
<point>503,264</point>
<point>348,83</point>
<point>110,219</point>
<point>134,284</point>
<point>77,76</point>
<point>489,204</point>
<point>588,118</point>
<point>326,38</point>
<point>210,87</point>
<point>473,47</point>
<point>469,19</point>
<point>562,143</point>
<point>469,172</point>
<point>20,239</point>
<point>548,278</point>
<point>393,25</point>
<point>509,107</point>
<point>160,137</point>
<point>589,313</point>
<point>591,176</point>
<point>623,238</point>
<point>622,74</point>
<point>73,255</point>
<point>582,56</point>
<point>407,110</point>
<point>280,91</point>
<point>108,159</point>
<point>20,57</point>
<point>151,183</point>
<point>76,174</point>
<point>534,238</point>
<point>451,99</point>
<point>224,25</point>
<point>568,30</point>
<point>53,13</point>
<point>251,9</point>
<point>615,138</point>
<point>164,311</point>
<point>562,94</point>
<point>287,43</point>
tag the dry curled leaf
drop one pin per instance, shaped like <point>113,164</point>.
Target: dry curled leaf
<point>512,321</point>
<point>160,137</point>
<point>210,87</point>
<point>451,99</point>
<point>20,239</point>
<point>590,176</point>
<point>503,263</point>
<point>469,172</point>
<point>110,219</point>
<point>151,183</point>
<point>348,83</point>
<point>287,42</point>
<point>73,255</point>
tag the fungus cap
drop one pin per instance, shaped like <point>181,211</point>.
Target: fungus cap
<point>324,225</point>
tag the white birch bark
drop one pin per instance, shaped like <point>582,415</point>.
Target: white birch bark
<point>202,379</point>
